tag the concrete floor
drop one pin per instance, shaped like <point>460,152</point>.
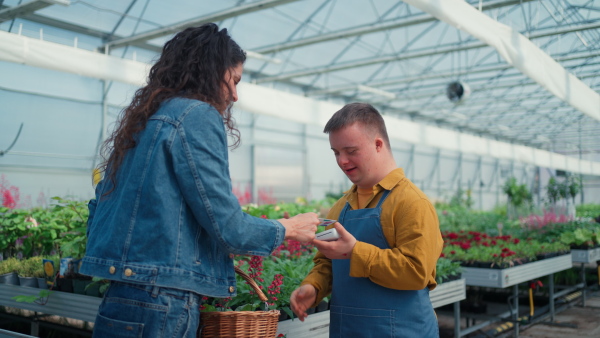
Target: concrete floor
<point>571,321</point>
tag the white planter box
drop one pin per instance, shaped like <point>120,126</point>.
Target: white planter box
<point>585,256</point>
<point>502,278</point>
<point>448,293</point>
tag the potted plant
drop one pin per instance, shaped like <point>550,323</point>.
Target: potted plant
<point>30,270</point>
<point>8,271</point>
<point>518,196</point>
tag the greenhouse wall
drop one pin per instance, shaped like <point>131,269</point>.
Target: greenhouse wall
<point>63,117</point>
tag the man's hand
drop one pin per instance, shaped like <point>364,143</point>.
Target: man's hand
<point>340,249</point>
<point>301,299</point>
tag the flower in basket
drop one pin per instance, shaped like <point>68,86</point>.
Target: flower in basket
<point>277,278</point>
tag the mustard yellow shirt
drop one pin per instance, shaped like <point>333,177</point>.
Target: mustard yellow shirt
<point>411,227</point>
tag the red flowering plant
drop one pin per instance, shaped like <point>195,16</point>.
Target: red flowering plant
<point>276,277</point>
<point>477,249</point>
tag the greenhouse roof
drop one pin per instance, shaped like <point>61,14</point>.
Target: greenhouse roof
<point>410,59</point>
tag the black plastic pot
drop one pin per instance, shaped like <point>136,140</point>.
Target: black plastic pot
<point>10,278</point>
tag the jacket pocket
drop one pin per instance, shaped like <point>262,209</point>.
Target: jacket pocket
<point>112,328</point>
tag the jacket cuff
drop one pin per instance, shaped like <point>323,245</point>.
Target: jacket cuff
<point>280,235</point>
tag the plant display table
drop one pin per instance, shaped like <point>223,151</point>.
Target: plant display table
<point>317,324</point>
<point>61,304</point>
<point>502,278</point>
<point>584,257</point>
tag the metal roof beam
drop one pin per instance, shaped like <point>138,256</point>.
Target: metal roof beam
<point>28,8</point>
<point>415,54</point>
<point>226,14</point>
<point>433,75</point>
<point>373,28</point>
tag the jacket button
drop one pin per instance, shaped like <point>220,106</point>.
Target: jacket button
<point>112,270</point>
<point>128,272</point>
<point>231,289</point>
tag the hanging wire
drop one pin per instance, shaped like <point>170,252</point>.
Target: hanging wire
<point>2,152</point>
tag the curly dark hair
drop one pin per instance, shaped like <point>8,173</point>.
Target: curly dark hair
<point>192,65</point>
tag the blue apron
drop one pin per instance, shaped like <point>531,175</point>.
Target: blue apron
<point>361,308</point>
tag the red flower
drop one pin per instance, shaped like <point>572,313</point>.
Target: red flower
<point>465,246</point>
<point>505,249</point>
<point>442,255</point>
<point>452,235</point>
<point>516,241</point>
<point>485,244</point>
<point>452,252</point>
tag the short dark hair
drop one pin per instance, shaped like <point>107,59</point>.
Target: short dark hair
<point>358,112</point>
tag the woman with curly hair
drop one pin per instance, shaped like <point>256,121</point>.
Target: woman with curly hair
<point>164,224</point>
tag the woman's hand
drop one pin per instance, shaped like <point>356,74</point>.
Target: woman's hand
<point>301,227</point>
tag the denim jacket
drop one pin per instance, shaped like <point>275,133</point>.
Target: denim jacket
<point>172,219</point>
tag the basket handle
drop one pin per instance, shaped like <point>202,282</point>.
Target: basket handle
<point>252,283</point>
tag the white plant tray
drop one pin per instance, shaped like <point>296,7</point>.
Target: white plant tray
<point>501,278</point>
<point>585,256</point>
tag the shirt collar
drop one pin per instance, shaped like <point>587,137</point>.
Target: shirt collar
<point>388,182</point>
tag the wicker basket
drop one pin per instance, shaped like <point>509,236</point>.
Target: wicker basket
<point>240,324</point>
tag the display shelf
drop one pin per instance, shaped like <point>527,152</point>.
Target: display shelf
<point>59,303</point>
<point>501,278</point>
<point>585,256</point>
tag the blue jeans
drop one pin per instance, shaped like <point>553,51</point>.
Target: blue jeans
<point>131,310</point>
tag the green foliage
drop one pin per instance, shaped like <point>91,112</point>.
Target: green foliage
<point>41,298</point>
<point>277,211</point>
<point>581,237</point>
<point>293,272</point>
<point>446,269</point>
<point>31,267</point>
<point>44,231</point>
<point>104,284</point>
<point>459,217</point>
<point>567,188</point>
<point>573,233</point>
<point>462,198</point>
<point>9,265</point>
<point>588,210</point>
<point>518,194</point>
<point>73,216</point>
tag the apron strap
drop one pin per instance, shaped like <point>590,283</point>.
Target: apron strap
<point>385,195</point>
